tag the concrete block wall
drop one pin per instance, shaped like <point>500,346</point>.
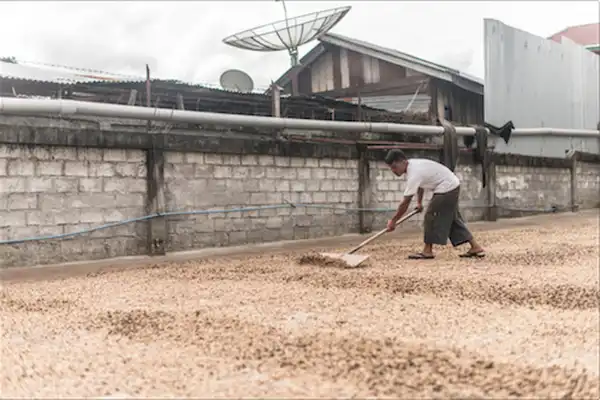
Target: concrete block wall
<point>55,181</point>
<point>522,187</point>
<point>47,191</point>
<point>197,181</point>
<point>588,184</point>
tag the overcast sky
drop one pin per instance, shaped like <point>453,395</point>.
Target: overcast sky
<point>183,40</point>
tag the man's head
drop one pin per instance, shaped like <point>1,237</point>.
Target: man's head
<point>397,161</point>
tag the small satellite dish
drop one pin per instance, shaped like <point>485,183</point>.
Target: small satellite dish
<point>236,80</point>
<point>288,33</point>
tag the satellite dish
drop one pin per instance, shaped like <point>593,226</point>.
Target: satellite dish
<point>288,33</point>
<point>234,79</point>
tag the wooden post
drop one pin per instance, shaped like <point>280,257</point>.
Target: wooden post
<point>490,193</point>
<point>156,202</point>
<point>275,100</point>
<point>365,221</point>
<point>180,104</point>
<point>132,97</point>
<point>574,165</point>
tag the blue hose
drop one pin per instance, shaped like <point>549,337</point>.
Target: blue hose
<point>176,213</point>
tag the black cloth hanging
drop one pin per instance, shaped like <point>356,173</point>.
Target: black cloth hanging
<point>450,148</point>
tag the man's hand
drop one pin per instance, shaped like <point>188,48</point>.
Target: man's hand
<point>419,206</point>
<point>391,225</point>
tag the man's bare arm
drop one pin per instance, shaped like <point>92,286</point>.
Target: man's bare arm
<point>402,208</point>
<point>420,192</point>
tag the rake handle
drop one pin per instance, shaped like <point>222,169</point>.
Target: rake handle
<point>383,231</point>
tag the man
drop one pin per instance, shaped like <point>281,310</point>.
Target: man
<point>442,219</point>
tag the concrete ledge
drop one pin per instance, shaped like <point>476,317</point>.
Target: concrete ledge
<point>72,269</point>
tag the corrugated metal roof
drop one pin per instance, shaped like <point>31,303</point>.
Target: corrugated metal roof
<point>420,103</point>
<point>24,70</point>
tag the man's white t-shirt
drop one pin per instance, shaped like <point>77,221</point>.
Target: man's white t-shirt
<point>429,175</point>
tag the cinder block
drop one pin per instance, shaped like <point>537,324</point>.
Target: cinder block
<point>318,173</point>
<point>203,171</point>
<point>348,197</point>
<point>115,155</point>
<point>65,217</point>
<point>282,161</point>
<point>22,201</point>
<point>13,218</point>
<point>312,185</point>
<point>306,198</point>
<point>332,173</point>
<point>131,169</point>
<point>12,185</point>
<point>130,199</point>
<point>274,198</point>
<point>91,216</point>
<point>265,160</point>
<point>21,168</point>
<point>325,163</point>
<point>339,163</point>
<point>232,159</point>
<point>326,186</point>
<point>249,159</point>
<point>101,169</point>
<point>216,159</point>
<point>303,173</point>
<point>76,168</point>
<point>179,171</point>
<point>35,217</point>
<point>65,185</point>
<point>40,185</point>
<point>90,185</point>
<point>320,197</point>
<point>49,168</point>
<point>174,157</point>
<point>282,186</point>
<point>136,156</point>
<point>333,197</point>
<point>50,230</point>
<point>63,153</point>
<point>297,162</point>
<point>222,171</point>
<point>240,173</point>
<point>311,162</point>
<point>3,167</point>
<point>24,232</point>
<point>258,198</point>
<point>297,186</point>
<point>49,202</point>
<point>125,185</point>
<point>89,154</point>
<point>258,172</point>
<point>194,158</point>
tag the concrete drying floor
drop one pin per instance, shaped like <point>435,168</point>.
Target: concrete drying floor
<point>523,322</point>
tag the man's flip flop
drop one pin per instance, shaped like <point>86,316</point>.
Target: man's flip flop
<point>468,254</point>
<point>420,256</point>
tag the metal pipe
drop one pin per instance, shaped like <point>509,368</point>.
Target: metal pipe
<point>71,107</point>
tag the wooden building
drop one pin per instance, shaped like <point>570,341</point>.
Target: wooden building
<point>349,69</point>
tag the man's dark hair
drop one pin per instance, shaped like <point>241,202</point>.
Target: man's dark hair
<point>393,156</point>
